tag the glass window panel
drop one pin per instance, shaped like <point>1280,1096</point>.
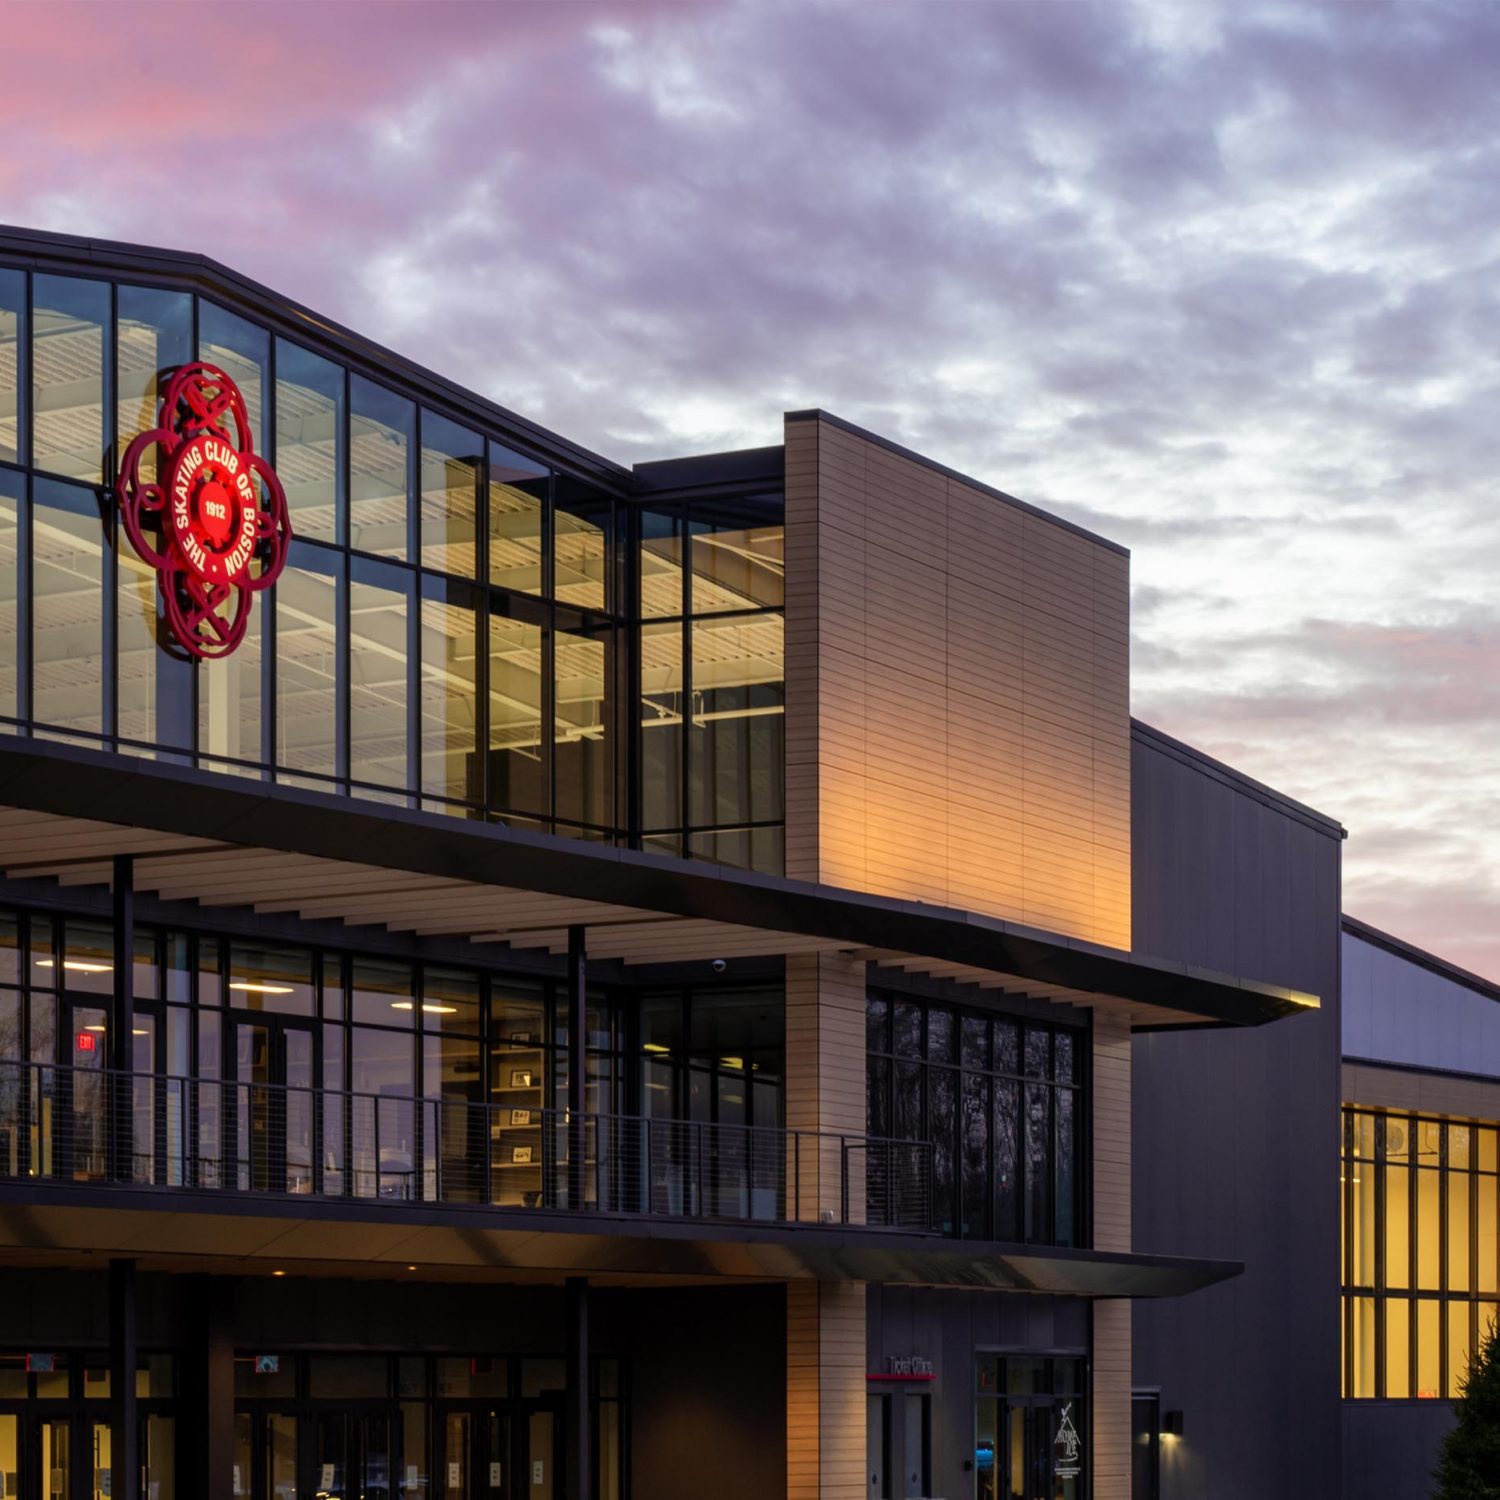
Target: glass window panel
<point>1486,1314</point>
<point>878,1099</point>
<point>661,564</point>
<point>907,1020</point>
<point>1397,1227</point>
<point>307,609</point>
<point>88,957</point>
<point>974,1042</point>
<point>348,1376</point>
<point>1007,1047</point>
<point>450,722</point>
<point>382,993</point>
<point>271,979</point>
<point>1485,1149</point>
<point>1397,1348</point>
<point>942,1084</point>
<point>450,1000</point>
<point>451,457</point>
<point>153,337</point>
<point>1038,1052</point>
<point>1429,1349</point>
<point>1362,1134</point>
<point>1429,1231</point>
<point>1487,1268</point>
<point>1460,1147</point>
<point>518,503</point>
<point>518,760</point>
<point>141,662</point>
<point>230,694</point>
<point>1361,1244</point>
<point>310,439</point>
<point>378,609</point>
<point>68,325</point>
<point>10,620</point>
<point>382,443</point>
<point>661,721</point>
<point>12,340</point>
<point>1458,1346</point>
<point>10,948</point>
<point>974,1136</point>
<point>877,1024</point>
<point>1064,1056</point>
<point>68,551</point>
<point>242,350</point>
<point>940,1035</point>
<point>580,544</point>
<point>1361,1333</point>
<point>382,1118</point>
<point>1396,1133</point>
<point>737,554</point>
<point>736,750</point>
<point>1038,1173</point>
<point>1458,1231</point>
<point>1065,1194</point>
<point>11,1041</point>
<point>583,758</point>
<point>1429,1137</point>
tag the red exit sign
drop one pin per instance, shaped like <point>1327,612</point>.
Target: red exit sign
<point>84,1041</point>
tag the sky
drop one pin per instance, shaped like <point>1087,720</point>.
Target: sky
<point>1219,282</point>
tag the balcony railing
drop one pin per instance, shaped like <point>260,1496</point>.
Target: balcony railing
<point>92,1126</point>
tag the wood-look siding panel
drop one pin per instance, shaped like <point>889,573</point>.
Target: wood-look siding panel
<point>1111,1404</point>
<point>958,713</point>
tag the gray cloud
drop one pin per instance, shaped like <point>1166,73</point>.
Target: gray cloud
<point>1218,280</point>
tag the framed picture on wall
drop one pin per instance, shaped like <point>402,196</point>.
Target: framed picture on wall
<point>520,1155</point>
<point>520,1078</point>
<point>520,1117</point>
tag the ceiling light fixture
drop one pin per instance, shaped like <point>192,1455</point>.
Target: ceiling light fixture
<point>253,987</point>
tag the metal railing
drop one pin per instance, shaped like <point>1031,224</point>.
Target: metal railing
<point>95,1126</point>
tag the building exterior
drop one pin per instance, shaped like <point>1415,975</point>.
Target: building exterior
<point>525,978</point>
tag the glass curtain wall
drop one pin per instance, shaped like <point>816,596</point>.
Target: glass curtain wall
<point>443,635</point>
<point>712,680</point>
<point>1421,1252</point>
<point>1001,1102</point>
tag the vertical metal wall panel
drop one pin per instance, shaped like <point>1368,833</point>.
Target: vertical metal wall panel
<point>957,692</point>
<point>1235,1132</point>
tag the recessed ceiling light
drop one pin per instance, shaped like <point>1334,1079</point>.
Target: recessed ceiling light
<point>278,1273</point>
<point>250,987</point>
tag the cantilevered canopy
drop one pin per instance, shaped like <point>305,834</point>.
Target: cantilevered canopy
<point>225,841</point>
<point>171,1230</point>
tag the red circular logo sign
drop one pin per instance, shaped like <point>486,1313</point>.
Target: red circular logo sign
<point>213,520</point>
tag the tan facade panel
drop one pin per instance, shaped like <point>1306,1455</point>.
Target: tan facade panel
<point>958,702</point>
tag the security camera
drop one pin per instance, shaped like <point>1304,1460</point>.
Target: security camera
<point>719,966</point>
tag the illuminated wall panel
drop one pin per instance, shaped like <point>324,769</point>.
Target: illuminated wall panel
<point>958,715</point>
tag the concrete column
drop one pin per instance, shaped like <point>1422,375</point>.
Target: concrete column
<point>1111,1219</point>
<point>124,1434</point>
<point>825,1391</point>
<point>825,1331</point>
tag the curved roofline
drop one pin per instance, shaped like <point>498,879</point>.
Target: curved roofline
<point>78,254</point>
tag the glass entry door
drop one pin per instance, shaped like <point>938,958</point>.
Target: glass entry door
<point>275,1070</point>
<point>265,1456</point>
<point>540,1464</point>
<point>1043,1451</point>
<point>478,1461</point>
<point>83,1145</point>
<point>354,1457</point>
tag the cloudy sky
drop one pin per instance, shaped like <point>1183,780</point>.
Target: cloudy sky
<point>1220,282</point>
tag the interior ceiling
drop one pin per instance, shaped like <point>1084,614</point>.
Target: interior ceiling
<point>79,851</point>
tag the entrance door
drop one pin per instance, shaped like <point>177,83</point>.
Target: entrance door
<point>53,1460</point>
<point>1043,1450</point>
<point>475,1461</point>
<point>354,1457</point>
<point>537,1445</point>
<point>265,1456</point>
<point>275,1062</point>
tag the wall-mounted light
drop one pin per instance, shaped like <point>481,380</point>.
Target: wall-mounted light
<point>1171,1424</point>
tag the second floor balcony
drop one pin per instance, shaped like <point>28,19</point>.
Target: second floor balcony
<point>98,1127</point>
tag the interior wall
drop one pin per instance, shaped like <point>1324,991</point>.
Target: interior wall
<point>1235,1133</point>
<point>958,682</point>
